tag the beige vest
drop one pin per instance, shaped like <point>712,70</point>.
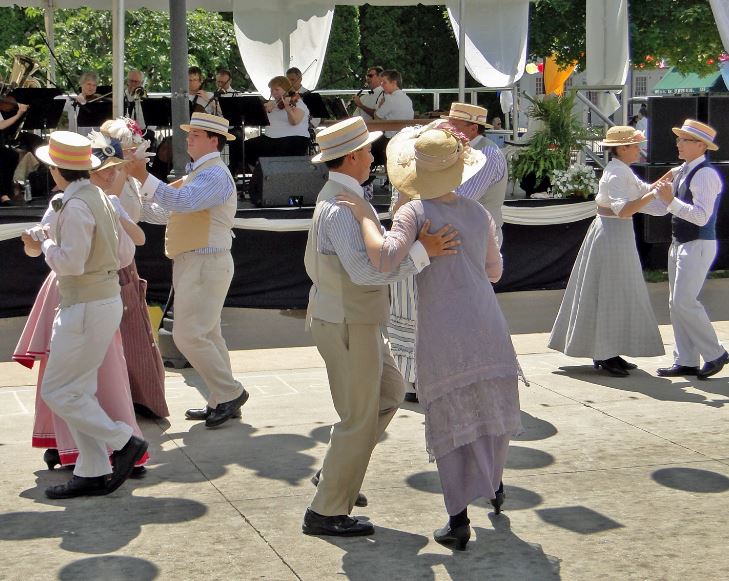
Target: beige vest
<point>209,228</point>
<point>99,279</point>
<point>333,296</point>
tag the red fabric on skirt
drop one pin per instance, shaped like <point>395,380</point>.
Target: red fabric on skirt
<point>50,431</point>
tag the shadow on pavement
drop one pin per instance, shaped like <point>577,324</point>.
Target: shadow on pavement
<point>109,568</point>
<point>691,480</point>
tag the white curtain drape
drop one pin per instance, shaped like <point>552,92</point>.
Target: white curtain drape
<point>275,35</point>
<point>607,47</point>
<point>547,215</point>
<point>496,39</point>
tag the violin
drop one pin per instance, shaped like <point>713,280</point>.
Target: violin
<point>294,98</point>
<point>8,104</point>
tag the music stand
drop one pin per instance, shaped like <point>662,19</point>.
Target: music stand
<point>157,111</point>
<point>316,105</point>
<point>45,110</point>
<point>241,110</point>
<point>95,113</point>
<point>337,108</point>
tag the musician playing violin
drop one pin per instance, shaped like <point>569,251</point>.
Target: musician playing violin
<point>10,113</point>
<point>288,130</point>
<point>202,100</point>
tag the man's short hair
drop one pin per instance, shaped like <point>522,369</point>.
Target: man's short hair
<point>336,162</point>
<point>222,139</point>
<point>393,75</point>
<point>73,175</point>
<point>377,68</point>
<point>222,71</point>
<point>136,72</point>
<point>88,76</point>
<point>195,71</point>
<point>294,70</point>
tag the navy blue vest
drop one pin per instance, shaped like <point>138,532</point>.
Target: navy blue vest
<point>684,231</point>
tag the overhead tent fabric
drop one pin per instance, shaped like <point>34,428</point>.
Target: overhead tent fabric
<point>607,47</point>
<point>496,39</point>
<point>279,34</point>
<point>720,8</point>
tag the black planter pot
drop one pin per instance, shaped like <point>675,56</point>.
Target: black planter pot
<point>529,184</point>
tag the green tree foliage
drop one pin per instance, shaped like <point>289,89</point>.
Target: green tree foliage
<point>342,60</point>
<point>83,43</point>
<point>681,31</point>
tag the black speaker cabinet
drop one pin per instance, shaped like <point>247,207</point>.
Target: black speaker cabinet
<point>657,229</point>
<point>718,118</point>
<point>287,181</point>
<point>665,113</point>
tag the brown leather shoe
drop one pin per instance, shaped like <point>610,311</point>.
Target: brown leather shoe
<point>341,525</point>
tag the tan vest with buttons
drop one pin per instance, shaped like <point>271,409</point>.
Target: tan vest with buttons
<point>210,228</point>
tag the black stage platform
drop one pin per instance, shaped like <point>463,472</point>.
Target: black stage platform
<point>269,263</point>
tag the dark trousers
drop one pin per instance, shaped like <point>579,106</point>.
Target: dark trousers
<point>379,148</point>
<point>8,163</point>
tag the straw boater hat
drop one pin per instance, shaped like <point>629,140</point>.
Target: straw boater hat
<point>697,130</point>
<point>469,113</point>
<point>342,138</point>
<point>208,122</point>
<point>107,149</point>
<point>622,135</point>
<point>430,161</point>
<point>67,150</point>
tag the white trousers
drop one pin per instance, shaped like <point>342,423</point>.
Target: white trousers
<point>201,283</point>
<point>81,337</point>
<point>688,265</point>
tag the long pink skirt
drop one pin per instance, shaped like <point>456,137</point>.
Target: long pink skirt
<point>50,431</point>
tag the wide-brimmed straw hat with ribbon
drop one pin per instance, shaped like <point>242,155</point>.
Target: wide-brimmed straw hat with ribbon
<point>469,113</point>
<point>342,138</point>
<point>208,122</point>
<point>67,150</point>
<point>692,129</point>
<point>431,161</point>
<point>622,135</point>
<point>108,150</point>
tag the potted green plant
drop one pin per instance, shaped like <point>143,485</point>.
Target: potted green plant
<point>550,147</point>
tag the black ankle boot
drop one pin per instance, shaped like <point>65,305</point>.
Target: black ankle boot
<point>456,533</point>
<point>499,500</point>
<point>51,458</point>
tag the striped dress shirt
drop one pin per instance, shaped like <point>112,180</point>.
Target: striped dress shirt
<point>489,174</point>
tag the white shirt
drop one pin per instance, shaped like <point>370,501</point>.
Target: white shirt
<point>706,186</point>
<point>207,102</point>
<point>138,114</point>
<point>78,225</point>
<point>619,185</point>
<point>396,105</point>
<point>371,100</point>
<point>340,234</point>
<point>280,126</point>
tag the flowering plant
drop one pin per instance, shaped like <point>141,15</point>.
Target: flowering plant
<point>577,181</point>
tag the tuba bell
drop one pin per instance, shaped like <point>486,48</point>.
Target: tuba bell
<point>23,68</point>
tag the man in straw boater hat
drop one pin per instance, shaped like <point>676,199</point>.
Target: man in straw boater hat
<point>693,199</point>
<point>488,186</point>
<point>201,210</point>
<point>82,249</point>
<point>348,307</point>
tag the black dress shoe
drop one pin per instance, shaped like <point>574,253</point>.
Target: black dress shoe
<point>138,472</point>
<point>225,411</point>
<point>79,486</point>
<point>677,370</point>
<point>200,414</point>
<point>123,461</point>
<point>625,364</point>
<point>713,367</point>
<point>341,525</point>
<point>411,396</point>
<point>361,498</point>
<point>456,538</point>
<point>611,366</point>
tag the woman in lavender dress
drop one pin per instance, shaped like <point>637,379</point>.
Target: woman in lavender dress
<point>467,368</point>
